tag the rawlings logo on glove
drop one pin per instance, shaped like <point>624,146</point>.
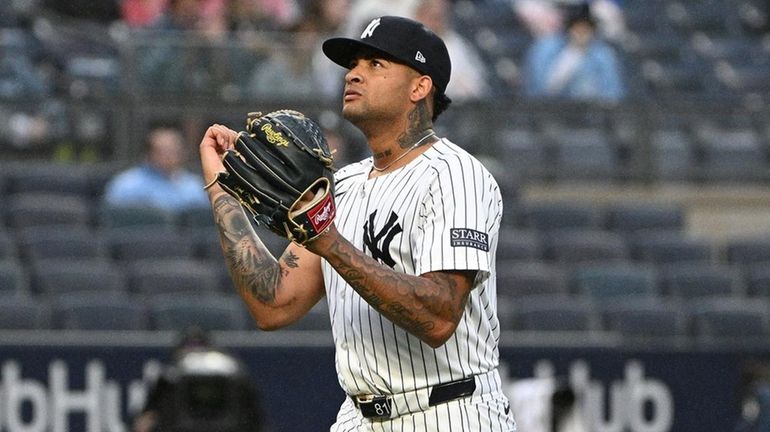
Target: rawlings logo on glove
<point>281,172</point>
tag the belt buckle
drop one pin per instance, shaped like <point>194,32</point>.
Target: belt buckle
<point>374,406</point>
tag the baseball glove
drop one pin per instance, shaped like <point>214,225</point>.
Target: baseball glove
<point>280,160</point>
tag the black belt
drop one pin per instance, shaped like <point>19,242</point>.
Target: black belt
<point>379,406</point>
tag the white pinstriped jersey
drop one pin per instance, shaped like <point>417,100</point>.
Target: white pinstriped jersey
<point>442,211</point>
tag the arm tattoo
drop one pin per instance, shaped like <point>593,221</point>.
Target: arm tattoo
<point>416,303</point>
<point>254,270</point>
<point>290,259</point>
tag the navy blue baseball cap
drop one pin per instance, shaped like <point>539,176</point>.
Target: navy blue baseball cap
<point>402,39</point>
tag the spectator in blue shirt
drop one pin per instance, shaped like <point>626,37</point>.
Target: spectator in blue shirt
<point>161,180</point>
<point>574,64</point>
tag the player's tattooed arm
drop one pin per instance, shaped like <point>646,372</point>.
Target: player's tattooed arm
<point>429,307</point>
<point>254,269</point>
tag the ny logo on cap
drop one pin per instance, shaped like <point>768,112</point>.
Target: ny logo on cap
<point>369,31</point>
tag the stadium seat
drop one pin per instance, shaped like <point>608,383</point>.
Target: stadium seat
<point>22,312</point>
<point>86,311</point>
<point>631,217</point>
<point>615,283</point>
<point>516,278</point>
<point>60,242</point>
<point>195,218</point>
<point>112,217</point>
<point>551,215</point>
<point>207,312</point>
<point>523,151</point>
<point>14,278</point>
<point>54,276</point>
<point>133,243</point>
<point>206,244</point>
<point>731,154</point>
<point>643,319</point>
<point>8,248</point>
<point>672,154</point>
<point>669,247</point>
<point>585,153</point>
<point>50,178</point>
<point>730,320</point>
<point>693,280</point>
<point>36,209</point>
<point>746,251</point>
<point>172,275</point>
<point>519,244</point>
<point>555,313</point>
<point>585,246</point>
<point>757,278</point>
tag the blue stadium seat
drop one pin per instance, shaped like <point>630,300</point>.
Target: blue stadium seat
<point>516,278</point>
<point>672,154</point>
<point>644,319</point>
<point>14,278</point>
<point>552,215</point>
<point>54,276</point>
<point>669,247</point>
<point>172,275</point>
<point>8,247</point>
<point>207,312</point>
<point>45,242</point>
<point>519,244</point>
<point>693,280</point>
<point>126,216</point>
<point>129,244</point>
<point>50,178</point>
<point>632,217</point>
<point>87,311</point>
<point>730,320</point>
<point>555,313</point>
<point>38,209</point>
<point>746,251</point>
<point>616,283</point>
<point>23,312</point>
<point>584,153</point>
<point>578,246</point>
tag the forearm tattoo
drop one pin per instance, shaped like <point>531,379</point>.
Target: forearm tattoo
<point>413,303</point>
<point>254,270</point>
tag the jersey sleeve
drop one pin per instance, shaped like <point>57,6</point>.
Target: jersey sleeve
<point>459,219</point>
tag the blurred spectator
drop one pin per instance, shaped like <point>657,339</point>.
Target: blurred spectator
<point>329,16</point>
<point>546,17</point>
<point>755,16</point>
<point>469,76</point>
<point>101,11</point>
<point>575,63</point>
<point>288,71</point>
<point>203,389</point>
<point>174,55</point>
<point>162,179</point>
<point>140,13</point>
<point>364,11</point>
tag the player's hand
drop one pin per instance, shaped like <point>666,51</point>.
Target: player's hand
<point>216,141</point>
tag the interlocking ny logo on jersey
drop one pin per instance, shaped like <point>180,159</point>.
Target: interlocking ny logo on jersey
<point>382,238</point>
<point>369,30</point>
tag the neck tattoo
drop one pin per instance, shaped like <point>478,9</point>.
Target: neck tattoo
<point>414,146</point>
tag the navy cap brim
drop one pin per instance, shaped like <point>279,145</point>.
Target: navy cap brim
<point>343,50</point>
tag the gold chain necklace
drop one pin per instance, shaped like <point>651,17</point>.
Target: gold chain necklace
<point>414,146</point>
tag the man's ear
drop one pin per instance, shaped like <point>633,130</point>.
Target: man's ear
<point>422,88</point>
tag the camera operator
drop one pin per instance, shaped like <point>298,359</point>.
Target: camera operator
<point>204,389</point>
